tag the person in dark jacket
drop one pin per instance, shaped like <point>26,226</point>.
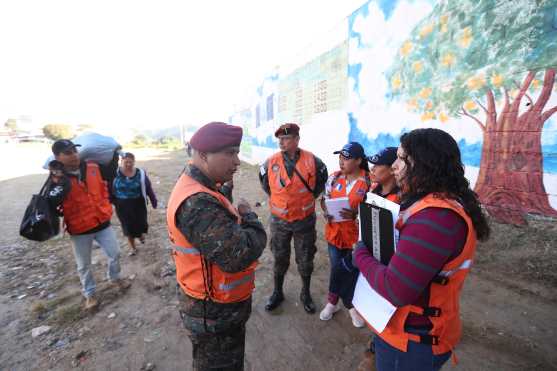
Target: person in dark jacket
<point>132,189</point>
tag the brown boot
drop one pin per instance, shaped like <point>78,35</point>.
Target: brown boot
<point>368,362</point>
<point>91,303</point>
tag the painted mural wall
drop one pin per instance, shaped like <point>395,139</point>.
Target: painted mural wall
<point>482,70</point>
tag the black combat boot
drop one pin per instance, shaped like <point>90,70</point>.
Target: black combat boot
<point>277,297</point>
<point>305,296</point>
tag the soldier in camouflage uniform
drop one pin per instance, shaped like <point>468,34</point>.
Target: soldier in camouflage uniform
<point>284,229</point>
<point>217,330</point>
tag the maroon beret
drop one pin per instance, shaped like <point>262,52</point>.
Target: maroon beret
<point>216,136</point>
<point>287,129</point>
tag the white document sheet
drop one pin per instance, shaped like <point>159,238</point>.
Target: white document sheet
<point>393,207</point>
<point>375,309</point>
<point>335,205</point>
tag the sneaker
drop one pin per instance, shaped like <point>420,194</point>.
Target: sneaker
<point>327,312</point>
<point>357,321</point>
<point>91,303</point>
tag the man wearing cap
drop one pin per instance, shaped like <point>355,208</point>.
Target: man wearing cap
<point>215,248</point>
<point>293,178</point>
<point>79,190</point>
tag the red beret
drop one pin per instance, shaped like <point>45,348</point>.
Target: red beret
<point>287,129</point>
<point>216,136</point>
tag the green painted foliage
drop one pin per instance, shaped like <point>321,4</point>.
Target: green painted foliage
<point>465,47</point>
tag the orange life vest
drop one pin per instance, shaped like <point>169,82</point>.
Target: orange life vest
<point>395,197</point>
<point>87,205</point>
<point>344,234</point>
<point>290,198</point>
<point>199,278</point>
<point>444,295</point>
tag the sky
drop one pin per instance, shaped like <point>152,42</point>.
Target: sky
<point>148,64</point>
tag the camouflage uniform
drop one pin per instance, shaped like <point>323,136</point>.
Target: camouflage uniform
<point>217,331</point>
<point>302,231</point>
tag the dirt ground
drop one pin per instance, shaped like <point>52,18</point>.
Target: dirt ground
<point>508,304</point>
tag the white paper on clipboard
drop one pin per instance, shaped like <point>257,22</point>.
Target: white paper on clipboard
<point>393,207</point>
<point>334,207</point>
<point>375,309</point>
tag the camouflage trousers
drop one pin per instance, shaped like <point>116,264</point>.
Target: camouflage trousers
<point>304,247</point>
<point>217,332</point>
<point>216,349</point>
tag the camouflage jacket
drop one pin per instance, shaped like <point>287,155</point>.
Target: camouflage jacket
<point>211,228</point>
<point>321,179</point>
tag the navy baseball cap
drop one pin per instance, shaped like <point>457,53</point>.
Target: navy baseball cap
<point>386,156</point>
<point>62,145</point>
<point>352,150</point>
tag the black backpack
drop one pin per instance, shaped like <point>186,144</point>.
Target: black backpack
<point>40,221</point>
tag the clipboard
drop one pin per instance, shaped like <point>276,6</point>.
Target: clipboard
<point>376,229</point>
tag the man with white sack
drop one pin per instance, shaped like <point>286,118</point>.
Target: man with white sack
<point>78,189</point>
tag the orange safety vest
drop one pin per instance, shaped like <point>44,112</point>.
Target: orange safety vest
<point>395,197</point>
<point>87,205</point>
<point>344,234</point>
<point>290,198</point>
<point>199,278</point>
<point>444,296</point>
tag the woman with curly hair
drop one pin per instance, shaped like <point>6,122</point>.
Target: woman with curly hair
<point>439,224</point>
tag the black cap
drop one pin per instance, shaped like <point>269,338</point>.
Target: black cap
<point>62,145</point>
<point>386,156</point>
<point>352,150</point>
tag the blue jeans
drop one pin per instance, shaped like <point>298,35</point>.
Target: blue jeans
<point>419,357</point>
<point>82,246</point>
<point>343,277</point>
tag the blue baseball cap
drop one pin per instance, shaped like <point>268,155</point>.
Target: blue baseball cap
<point>386,156</point>
<point>352,150</point>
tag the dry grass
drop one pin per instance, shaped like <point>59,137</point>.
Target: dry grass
<point>527,252</point>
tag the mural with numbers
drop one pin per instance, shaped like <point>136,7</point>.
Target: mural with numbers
<point>482,70</point>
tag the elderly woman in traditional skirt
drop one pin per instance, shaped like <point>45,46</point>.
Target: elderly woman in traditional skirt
<point>132,190</point>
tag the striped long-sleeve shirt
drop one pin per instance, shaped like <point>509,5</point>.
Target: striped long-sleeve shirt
<point>429,239</point>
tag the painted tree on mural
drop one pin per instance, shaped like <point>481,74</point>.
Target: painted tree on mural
<point>492,61</point>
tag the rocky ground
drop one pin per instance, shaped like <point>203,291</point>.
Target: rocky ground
<point>508,304</point>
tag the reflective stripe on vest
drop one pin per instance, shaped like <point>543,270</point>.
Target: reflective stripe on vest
<point>186,250</point>
<point>465,265</point>
<point>232,285</point>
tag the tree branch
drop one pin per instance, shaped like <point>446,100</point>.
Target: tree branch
<point>547,114</point>
<point>491,108</point>
<point>527,81</point>
<point>526,95</point>
<point>481,105</point>
<point>465,113</point>
<point>548,81</point>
